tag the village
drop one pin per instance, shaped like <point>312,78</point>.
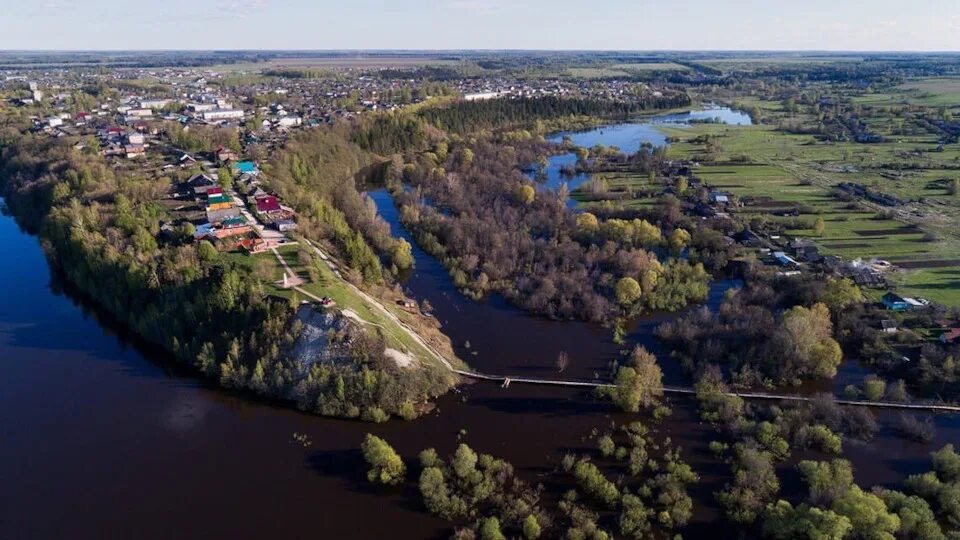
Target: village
<point>207,132</point>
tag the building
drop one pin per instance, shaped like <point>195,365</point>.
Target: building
<point>245,167</point>
<point>219,202</point>
<point>233,222</point>
<point>950,336</point>
<point>895,302</point>
<point>479,96</point>
<point>154,103</point>
<point>222,114</point>
<point>719,197</point>
<point>202,107</point>
<point>134,151</point>
<point>218,216</point>
<point>200,184</point>
<point>290,121</point>
<point>888,326</point>
<point>285,225</point>
<point>267,204</point>
<point>783,259</point>
<point>805,250</point>
<point>225,154</point>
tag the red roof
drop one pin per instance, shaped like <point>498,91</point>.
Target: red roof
<point>267,203</point>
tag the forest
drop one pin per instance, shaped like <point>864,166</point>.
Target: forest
<point>465,117</point>
<point>471,207</point>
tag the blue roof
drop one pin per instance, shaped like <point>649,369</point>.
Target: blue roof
<point>246,166</point>
<point>203,229</point>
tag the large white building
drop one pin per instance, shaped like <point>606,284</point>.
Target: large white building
<point>154,103</point>
<point>222,114</point>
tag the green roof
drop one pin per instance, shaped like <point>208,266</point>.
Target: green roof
<point>217,199</point>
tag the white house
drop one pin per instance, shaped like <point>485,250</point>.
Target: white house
<point>289,121</point>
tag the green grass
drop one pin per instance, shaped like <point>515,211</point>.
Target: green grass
<point>796,170</point>
<point>943,92</point>
<point>328,284</point>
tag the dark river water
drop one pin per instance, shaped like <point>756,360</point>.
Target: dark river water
<point>101,437</point>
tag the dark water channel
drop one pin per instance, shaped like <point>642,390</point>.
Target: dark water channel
<point>101,437</point>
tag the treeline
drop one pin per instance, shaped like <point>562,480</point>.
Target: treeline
<point>388,133</point>
<point>317,173</point>
<point>469,116</point>
<point>297,73</point>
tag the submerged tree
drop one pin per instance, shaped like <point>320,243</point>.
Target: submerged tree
<point>638,384</point>
<point>386,466</point>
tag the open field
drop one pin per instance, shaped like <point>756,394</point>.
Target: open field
<point>943,92</point>
<point>748,64</point>
<point>781,171</point>
<point>623,70</point>
<point>338,62</point>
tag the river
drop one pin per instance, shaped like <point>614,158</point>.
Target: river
<point>103,437</point>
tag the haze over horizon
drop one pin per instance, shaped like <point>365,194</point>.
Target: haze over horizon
<point>816,25</point>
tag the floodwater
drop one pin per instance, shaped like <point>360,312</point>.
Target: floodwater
<point>103,437</point>
<point>628,137</point>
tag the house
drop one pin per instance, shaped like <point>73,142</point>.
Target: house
<point>54,121</point>
<point>805,250</point>
<point>289,121</point>
<point>267,204</point>
<point>895,302</point>
<point>134,151</point>
<point>285,225</point>
<point>719,197</point>
<point>245,167</point>
<point>233,222</point>
<point>136,138</point>
<point>783,259</point>
<point>199,184</point>
<point>950,336</point>
<point>225,154</point>
<point>888,326</point>
<point>232,231</point>
<point>219,215</point>
<point>219,202</point>
<point>202,230</point>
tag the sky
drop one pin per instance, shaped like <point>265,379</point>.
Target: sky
<point>860,25</point>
